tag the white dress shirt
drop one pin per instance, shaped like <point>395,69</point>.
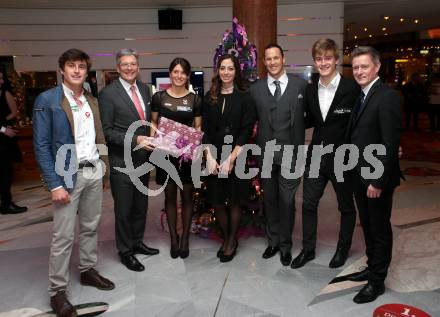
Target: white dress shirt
<point>283,83</point>
<point>326,94</point>
<point>127,87</point>
<point>368,87</point>
<point>84,126</point>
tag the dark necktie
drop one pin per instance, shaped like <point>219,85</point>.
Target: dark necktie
<point>277,93</point>
<point>358,106</point>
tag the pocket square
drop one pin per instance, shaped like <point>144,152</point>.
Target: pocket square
<point>342,110</point>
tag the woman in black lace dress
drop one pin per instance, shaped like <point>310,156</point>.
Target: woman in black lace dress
<point>228,110</point>
<point>179,104</point>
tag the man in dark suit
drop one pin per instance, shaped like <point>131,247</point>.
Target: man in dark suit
<point>376,122</point>
<point>329,103</point>
<point>122,103</point>
<point>279,103</point>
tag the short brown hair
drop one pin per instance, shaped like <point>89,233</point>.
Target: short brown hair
<point>323,45</point>
<point>73,55</point>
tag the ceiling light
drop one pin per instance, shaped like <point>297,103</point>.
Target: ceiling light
<point>402,19</point>
<point>386,17</point>
<point>365,29</point>
<point>370,35</point>
<point>355,37</point>
<point>384,29</point>
<point>416,21</point>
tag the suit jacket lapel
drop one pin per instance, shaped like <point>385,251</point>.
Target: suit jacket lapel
<point>123,93</point>
<point>270,100</point>
<point>338,95</point>
<point>143,92</point>
<point>367,99</point>
<point>316,108</point>
<point>293,98</point>
<point>66,107</point>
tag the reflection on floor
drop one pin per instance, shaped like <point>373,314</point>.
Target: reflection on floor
<point>248,286</point>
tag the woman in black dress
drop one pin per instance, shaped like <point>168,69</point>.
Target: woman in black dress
<point>228,110</point>
<point>179,104</point>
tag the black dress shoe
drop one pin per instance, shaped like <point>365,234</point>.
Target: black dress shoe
<point>303,257</point>
<point>286,258</point>
<point>369,293</point>
<point>339,258</point>
<point>132,263</point>
<point>358,276</point>
<point>143,249</point>
<point>270,252</point>
<point>12,209</point>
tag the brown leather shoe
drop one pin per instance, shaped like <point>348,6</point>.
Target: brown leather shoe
<point>91,277</point>
<point>61,306</point>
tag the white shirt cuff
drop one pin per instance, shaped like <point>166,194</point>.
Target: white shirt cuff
<point>3,129</point>
<point>53,189</point>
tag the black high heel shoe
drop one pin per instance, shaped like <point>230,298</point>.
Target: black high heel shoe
<point>220,251</point>
<point>175,249</point>
<point>227,258</point>
<point>184,253</point>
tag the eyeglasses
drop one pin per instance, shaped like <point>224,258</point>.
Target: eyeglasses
<point>324,59</point>
<point>126,65</point>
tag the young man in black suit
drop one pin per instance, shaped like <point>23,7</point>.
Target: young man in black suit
<point>122,103</point>
<point>376,122</point>
<point>329,103</point>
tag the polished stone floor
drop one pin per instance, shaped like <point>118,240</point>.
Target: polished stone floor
<point>248,286</point>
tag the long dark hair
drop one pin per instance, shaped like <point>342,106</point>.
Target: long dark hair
<point>186,66</point>
<point>216,83</point>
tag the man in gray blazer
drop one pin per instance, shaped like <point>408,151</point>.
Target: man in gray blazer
<point>280,108</point>
<point>122,103</point>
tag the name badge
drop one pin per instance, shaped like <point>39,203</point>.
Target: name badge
<point>183,108</point>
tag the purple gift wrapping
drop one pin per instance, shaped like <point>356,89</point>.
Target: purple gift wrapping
<point>177,139</point>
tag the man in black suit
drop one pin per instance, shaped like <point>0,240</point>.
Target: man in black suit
<point>376,123</point>
<point>280,108</point>
<point>122,103</point>
<point>329,103</point>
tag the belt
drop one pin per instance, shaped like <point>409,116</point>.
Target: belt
<point>86,164</point>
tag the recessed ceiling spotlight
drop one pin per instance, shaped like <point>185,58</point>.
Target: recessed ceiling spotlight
<point>386,34</point>
<point>416,21</point>
<point>370,35</point>
<point>355,37</point>
<point>402,19</point>
<point>386,17</point>
<point>365,29</point>
<point>384,29</point>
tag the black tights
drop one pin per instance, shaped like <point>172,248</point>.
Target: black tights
<point>229,221</point>
<point>171,210</point>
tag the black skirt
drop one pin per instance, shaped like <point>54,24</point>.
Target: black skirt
<point>231,190</point>
<point>183,169</point>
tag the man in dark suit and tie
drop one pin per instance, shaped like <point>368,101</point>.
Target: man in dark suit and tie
<point>122,103</point>
<point>329,103</point>
<point>280,108</point>
<point>376,122</point>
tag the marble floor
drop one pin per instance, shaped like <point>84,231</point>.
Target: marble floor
<point>248,286</point>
